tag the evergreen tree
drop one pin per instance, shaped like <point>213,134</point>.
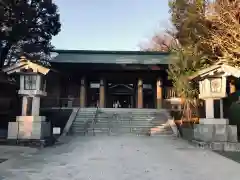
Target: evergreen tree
<point>27,26</point>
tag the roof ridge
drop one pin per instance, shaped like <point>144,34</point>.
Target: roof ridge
<point>111,52</point>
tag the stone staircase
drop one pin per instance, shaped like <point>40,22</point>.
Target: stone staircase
<point>82,121</point>
<point>112,121</point>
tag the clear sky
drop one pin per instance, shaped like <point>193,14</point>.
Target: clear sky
<point>109,24</point>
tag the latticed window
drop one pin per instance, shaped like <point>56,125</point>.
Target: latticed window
<point>30,82</point>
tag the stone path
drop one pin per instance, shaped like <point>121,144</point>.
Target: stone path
<point>121,158</point>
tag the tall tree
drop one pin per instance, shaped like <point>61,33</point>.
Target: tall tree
<point>224,41</point>
<point>188,19</point>
<point>212,28</point>
<point>27,26</point>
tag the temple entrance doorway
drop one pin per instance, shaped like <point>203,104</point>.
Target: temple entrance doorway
<point>123,100</point>
<point>120,96</point>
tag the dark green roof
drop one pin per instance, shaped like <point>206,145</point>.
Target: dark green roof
<point>110,57</point>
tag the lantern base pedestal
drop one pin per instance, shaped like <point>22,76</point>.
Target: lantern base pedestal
<point>213,121</point>
<point>215,130</point>
<point>29,128</point>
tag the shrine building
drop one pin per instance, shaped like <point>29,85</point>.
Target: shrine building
<point>88,78</point>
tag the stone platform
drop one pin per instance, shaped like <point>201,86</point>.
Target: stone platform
<point>218,146</point>
<point>215,130</point>
<point>215,133</point>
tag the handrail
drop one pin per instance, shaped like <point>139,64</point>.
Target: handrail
<point>116,117</point>
<point>88,122</point>
<point>110,122</point>
<point>94,121</point>
<point>109,119</point>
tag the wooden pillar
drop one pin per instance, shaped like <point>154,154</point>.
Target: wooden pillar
<point>102,93</point>
<point>135,95</point>
<point>83,93</point>
<point>159,93</point>
<point>232,86</point>
<point>140,94</point>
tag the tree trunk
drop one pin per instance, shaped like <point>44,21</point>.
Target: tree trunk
<point>3,54</point>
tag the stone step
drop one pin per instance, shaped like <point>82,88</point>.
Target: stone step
<point>79,126</point>
<point>134,117</point>
<point>104,124</point>
<point>78,129</point>
<point>120,124</point>
<point>85,117</point>
<point>87,112</point>
<point>80,133</point>
<point>119,120</point>
<point>98,129</point>
<point>139,130</point>
<point>80,122</point>
<point>128,110</point>
<point>120,128</point>
<point>118,131</point>
<point>127,119</point>
<point>116,123</point>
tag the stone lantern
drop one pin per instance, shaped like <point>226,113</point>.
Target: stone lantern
<point>30,125</point>
<point>212,86</point>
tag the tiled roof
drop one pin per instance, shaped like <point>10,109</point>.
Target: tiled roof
<point>110,57</point>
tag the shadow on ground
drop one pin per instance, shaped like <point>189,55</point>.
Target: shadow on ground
<point>235,156</point>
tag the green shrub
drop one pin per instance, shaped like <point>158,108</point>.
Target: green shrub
<point>234,115</point>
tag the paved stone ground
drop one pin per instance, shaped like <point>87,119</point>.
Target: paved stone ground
<point>10,152</point>
<point>122,158</point>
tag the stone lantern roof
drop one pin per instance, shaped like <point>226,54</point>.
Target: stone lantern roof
<point>217,69</point>
<point>25,65</point>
